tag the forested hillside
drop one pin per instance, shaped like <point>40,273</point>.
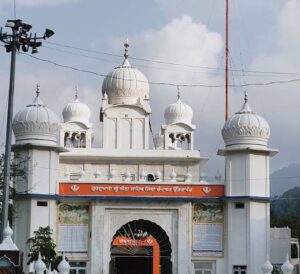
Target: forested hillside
<point>285,211</point>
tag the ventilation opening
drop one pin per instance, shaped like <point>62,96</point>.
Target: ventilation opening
<point>41,203</point>
<point>239,205</point>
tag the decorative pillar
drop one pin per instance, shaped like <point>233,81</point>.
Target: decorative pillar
<point>173,176</point>
<point>158,176</point>
<point>267,267</point>
<point>143,176</point>
<point>82,174</point>
<point>188,176</point>
<point>7,242</point>
<point>39,265</point>
<point>111,175</point>
<point>63,267</point>
<point>97,174</point>
<point>127,176</point>
<point>287,267</point>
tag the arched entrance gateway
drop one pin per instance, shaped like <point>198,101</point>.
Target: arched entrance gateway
<point>140,247</point>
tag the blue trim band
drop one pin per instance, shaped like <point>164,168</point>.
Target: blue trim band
<point>224,198</point>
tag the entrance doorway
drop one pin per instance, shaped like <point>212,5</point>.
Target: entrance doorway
<point>133,265</point>
<point>140,247</point>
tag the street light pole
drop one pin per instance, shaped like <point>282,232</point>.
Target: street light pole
<point>12,43</point>
<point>7,156</point>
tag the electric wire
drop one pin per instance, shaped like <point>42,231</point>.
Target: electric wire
<point>166,83</point>
<point>82,55</point>
<point>142,66</point>
<point>158,68</point>
<point>170,63</point>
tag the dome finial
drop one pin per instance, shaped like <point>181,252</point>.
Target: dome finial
<point>126,45</point>
<point>246,96</point>
<point>178,93</point>
<point>76,92</point>
<point>38,90</point>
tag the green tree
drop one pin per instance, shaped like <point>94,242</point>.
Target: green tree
<point>42,242</point>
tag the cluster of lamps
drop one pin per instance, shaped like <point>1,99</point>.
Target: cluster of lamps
<point>21,37</point>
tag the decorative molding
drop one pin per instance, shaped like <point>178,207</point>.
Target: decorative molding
<point>234,132</point>
<point>35,128</point>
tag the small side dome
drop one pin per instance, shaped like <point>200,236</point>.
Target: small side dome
<point>77,111</point>
<point>178,112</point>
<point>125,84</point>
<point>246,127</point>
<point>36,124</point>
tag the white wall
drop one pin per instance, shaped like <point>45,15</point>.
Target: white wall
<point>125,127</point>
<point>280,244</point>
<point>247,174</point>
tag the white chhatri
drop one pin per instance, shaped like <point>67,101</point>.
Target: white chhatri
<point>246,127</point>
<point>36,123</point>
<point>77,111</point>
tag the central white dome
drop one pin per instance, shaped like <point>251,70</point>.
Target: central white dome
<point>125,84</point>
<point>178,112</point>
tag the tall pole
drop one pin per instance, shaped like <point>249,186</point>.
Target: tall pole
<point>7,156</point>
<point>19,38</point>
<point>227,62</point>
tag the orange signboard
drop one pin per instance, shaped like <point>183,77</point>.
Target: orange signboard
<point>140,190</point>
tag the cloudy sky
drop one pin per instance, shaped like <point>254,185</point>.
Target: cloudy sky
<point>187,38</point>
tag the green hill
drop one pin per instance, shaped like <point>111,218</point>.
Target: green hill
<point>285,211</point>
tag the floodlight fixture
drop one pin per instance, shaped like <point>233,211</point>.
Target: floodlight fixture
<point>10,24</point>
<point>48,33</point>
<point>26,27</point>
<point>23,37</point>
<point>25,48</point>
<point>34,50</point>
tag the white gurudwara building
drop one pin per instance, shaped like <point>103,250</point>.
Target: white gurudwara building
<point>128,208</point>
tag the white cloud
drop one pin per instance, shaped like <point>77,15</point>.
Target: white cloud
<point>183,41</point>
<point>280,103</point>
